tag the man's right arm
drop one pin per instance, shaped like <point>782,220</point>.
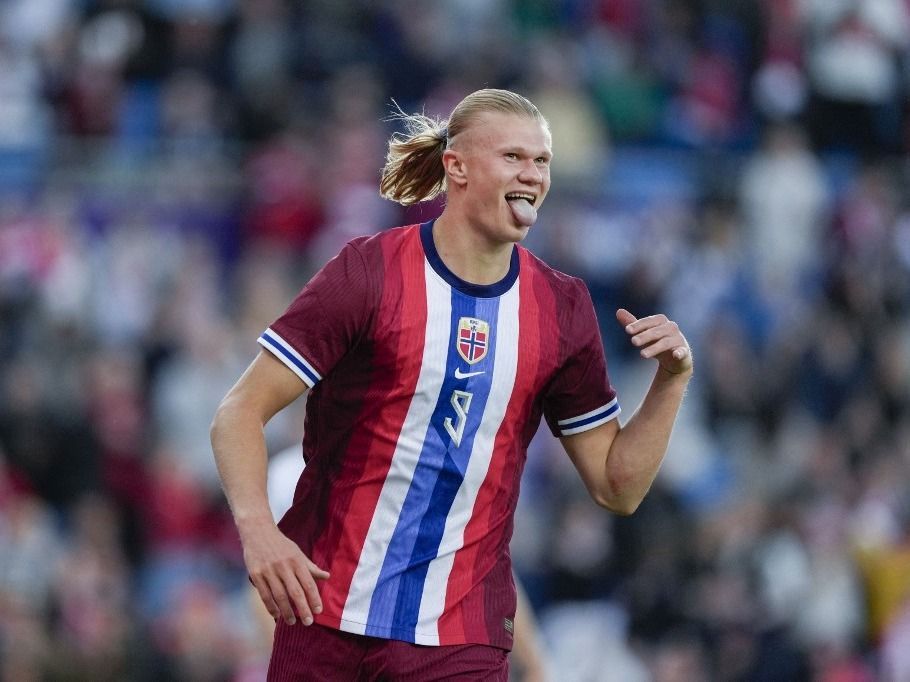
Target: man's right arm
<point>282,574</point>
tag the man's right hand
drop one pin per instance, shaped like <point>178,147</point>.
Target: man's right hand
<point>282,574</point>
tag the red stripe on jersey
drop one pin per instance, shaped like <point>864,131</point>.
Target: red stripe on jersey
<point>473,587</point>
<point>402,312</point>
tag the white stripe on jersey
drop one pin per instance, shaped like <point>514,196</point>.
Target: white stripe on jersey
<point>406,455</point>
<point>573,420</point>
<point>589,420</point>
<point>433,599</point>
<point>281,349</point>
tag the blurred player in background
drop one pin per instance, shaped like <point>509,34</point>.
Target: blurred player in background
<point>432,352</point>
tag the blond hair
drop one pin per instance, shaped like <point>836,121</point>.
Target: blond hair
<point>413,171</point>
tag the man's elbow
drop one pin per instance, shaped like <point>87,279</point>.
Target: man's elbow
<point>223,417</point>
<point>619,505</point>
<point>217,424</point>
<point>619,494</point>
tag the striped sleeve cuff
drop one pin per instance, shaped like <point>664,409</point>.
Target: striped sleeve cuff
<point>589,420</point>
<point>281,349</point>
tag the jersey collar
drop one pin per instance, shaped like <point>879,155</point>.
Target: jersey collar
<point>453,280</point>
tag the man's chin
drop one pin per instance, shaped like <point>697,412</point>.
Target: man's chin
<point>521,231</point>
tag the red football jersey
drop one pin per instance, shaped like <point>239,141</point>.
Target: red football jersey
<point>426,391</point>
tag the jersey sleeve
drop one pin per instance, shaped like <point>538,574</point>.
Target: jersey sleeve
<point>325,320</point>
<point>580,396</point>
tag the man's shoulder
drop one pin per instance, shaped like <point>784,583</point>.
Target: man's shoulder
<point>560,283</point>
<point>377,242</point>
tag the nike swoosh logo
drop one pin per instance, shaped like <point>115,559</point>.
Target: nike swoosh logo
<point>464,375</point>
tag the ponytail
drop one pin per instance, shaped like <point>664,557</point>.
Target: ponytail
<point>413,169</point>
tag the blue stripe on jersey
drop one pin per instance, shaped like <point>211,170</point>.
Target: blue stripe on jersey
<point>274,345</point>
<point>440,472</point>
<point>578,424</point>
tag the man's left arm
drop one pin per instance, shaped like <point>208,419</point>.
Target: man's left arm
<point>619,464</point>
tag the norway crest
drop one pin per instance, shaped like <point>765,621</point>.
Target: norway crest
<point>473,339</point>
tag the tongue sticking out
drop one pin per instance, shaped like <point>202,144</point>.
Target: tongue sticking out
<point>523,212</point>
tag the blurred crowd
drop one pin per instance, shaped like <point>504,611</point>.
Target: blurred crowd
<point>173,171</point>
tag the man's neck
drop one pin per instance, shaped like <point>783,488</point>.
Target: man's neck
<point>470,257</point>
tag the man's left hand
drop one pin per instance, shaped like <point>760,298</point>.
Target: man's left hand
<point>658,337</point>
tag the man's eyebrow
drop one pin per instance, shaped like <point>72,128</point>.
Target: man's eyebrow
<point>524,150</point>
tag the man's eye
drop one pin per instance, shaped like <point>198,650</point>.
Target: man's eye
<point>511,156</point>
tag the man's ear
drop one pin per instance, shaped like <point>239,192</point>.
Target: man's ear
<point>453,162</point>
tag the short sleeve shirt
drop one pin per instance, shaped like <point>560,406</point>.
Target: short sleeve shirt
<point>426,391</point>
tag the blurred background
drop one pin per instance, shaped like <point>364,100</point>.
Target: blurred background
<point>173,171</point>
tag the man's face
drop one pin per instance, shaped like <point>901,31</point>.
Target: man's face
<point>506,163</point>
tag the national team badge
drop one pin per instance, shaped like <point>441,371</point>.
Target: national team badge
<point>473,339</point>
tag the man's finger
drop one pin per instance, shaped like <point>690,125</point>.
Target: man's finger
<point>266,596</point>
<point>316,572</point>
<point>658,347</point>
<point>647,336</point>
<point>309,587</point>
<point>297,594</point>
<point>644,323</point>
<point>281,598</point>
<point>624,317</point>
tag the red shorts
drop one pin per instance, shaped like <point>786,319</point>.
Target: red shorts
<point>326,655</point>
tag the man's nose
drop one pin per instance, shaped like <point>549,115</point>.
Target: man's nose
<point>530,173</point>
